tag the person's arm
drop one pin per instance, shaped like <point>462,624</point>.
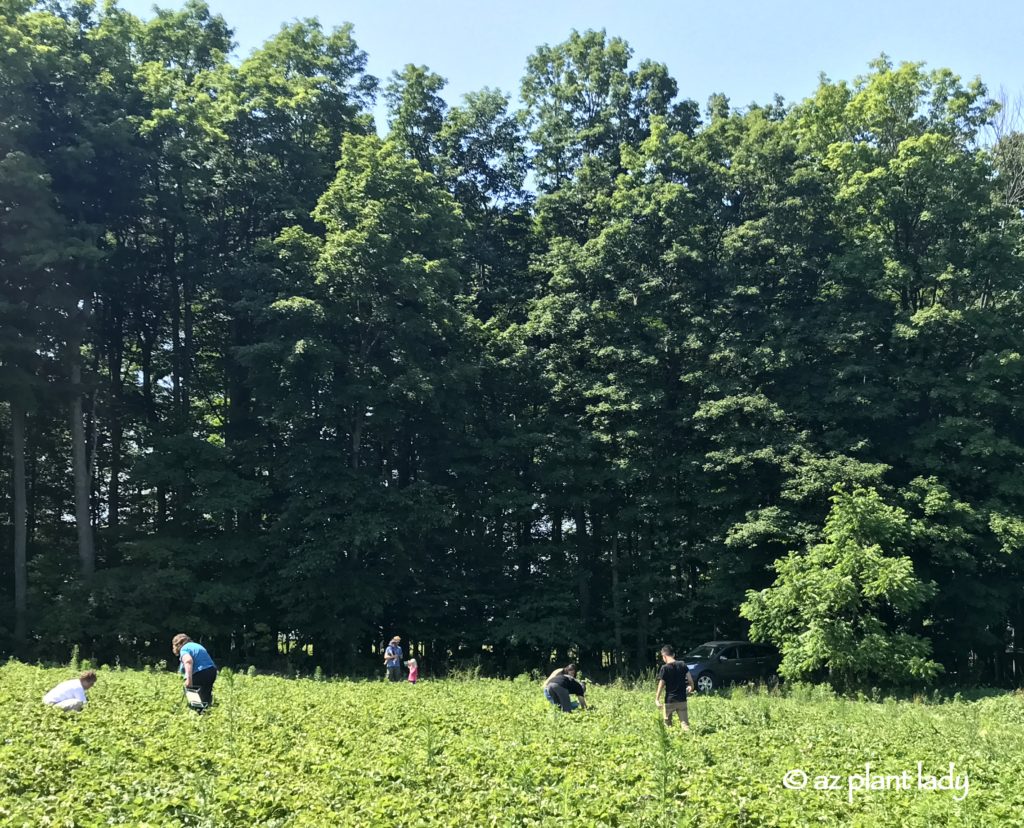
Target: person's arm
<point>659,691</point>
<point>581,692</point>
<point>690,686</point>
<point>187,663</point>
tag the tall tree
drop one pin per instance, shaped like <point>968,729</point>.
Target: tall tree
<point>360,350</point>
<point>416,113</point>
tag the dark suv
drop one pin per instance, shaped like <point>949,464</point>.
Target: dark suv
<point>717,663</point>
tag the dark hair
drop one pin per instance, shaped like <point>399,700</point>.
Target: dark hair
<point>569,668</point>
<point>667,650</point>
<point>89,677</point>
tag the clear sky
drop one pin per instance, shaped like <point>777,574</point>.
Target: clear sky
<point>748,50</point>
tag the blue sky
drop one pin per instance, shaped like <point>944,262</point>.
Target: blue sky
<point>748,50</point>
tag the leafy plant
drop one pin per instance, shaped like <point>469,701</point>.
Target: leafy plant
<point>280,752</point>
<point>844,607</point>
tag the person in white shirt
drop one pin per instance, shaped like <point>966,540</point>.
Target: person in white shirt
<point>70,694</point>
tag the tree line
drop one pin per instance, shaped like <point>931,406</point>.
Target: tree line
<point>518,378</point>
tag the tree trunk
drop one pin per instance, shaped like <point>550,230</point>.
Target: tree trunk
<point>92,438</point>
<point>616,600</point>
<point>405,461</point>
<point>20,524</point>
<point>174,501</point>
<point>146,360</point>
<point>174,305</point>
<point>525,541</point>
<point>583,573</point>
<point>357,437</point>
<point>147,344</point>
<point>186,357</point>
<point>240,426</point>
<point>83,485</point>
<point>641,565</point>
<point>32,479</point>
<point>115,365</point>
<point>114,489</point>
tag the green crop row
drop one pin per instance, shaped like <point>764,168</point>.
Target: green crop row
<point>280,752</point>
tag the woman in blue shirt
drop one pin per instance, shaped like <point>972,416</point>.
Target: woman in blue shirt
<point>199,669</point>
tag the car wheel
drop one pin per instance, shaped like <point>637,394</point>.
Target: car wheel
<point>706,682</point>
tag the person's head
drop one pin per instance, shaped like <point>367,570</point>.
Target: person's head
<point>396,640</point>
<point>179,641</point>
<point>411,663</point>
<point>667,653</point>
<point>570,670</point>
<point>88,679</point>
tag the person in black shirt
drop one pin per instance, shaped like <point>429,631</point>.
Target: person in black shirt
<point>675,681</point>
<point>560,685</point>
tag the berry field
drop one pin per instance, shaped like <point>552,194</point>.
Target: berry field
<point>476,752</point>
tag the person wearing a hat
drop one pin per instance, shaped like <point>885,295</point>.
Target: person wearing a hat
<point>393,659</point>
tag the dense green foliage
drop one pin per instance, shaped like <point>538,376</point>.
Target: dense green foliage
<point>566,376</point>
<point>829,608</point>
<point>277,752</point>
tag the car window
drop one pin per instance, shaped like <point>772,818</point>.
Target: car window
<point>748,651</point>
<point>728,652</point>
<point>703,651</point>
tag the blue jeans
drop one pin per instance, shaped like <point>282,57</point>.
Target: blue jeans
<point>559,697</point>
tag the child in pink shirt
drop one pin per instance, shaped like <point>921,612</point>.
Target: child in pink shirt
<point>414,670</point>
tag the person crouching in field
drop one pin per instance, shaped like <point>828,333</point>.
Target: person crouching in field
<point>70,694</point>
<point>675,681</point>
<point>560,685</point>
<point>199,669</point>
